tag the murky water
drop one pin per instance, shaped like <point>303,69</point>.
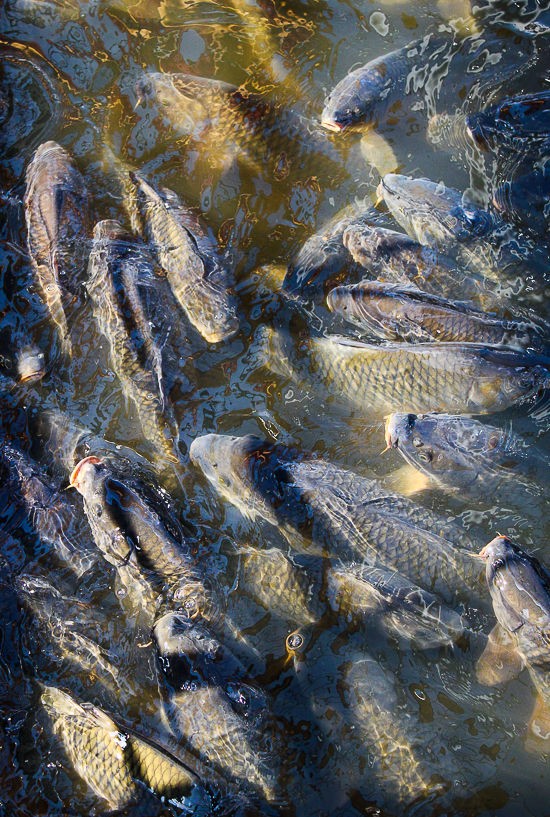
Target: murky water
<point>359,707</point>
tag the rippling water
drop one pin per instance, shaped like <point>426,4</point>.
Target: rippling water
<point>72,68</point>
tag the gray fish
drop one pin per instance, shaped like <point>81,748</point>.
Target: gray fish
<point>520,591</point>
<point>30,364</point>
<point>117,268</point>
<point>463,454</point>
<point>348,515</point>
<point>56,210</point>
<point>324,255</point>
<point>398,258</point>
<point>365,95</point>
<point>464,377</point>
<point>403,312</point>
<point>206,692</point>
<point>193,265</point>
<point>119,766</point>
<point>136,534</point>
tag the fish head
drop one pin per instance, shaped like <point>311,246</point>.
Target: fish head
<point>185,652</point>
<point>354,101</point>
<point>450,449</point>
<point>519,587</point>
<point>88,477</point>
<point>31,364</point>
<point>224,462</point>
<point>434,214</point>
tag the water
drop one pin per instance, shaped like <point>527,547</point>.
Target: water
<point>337,700</point>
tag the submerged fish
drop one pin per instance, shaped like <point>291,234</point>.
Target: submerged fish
<point>518,122</point>
<point>56,210</point>
<point>464,454</point>
<point>403,312</point>
<point>134,531</point>
<point>324,255</point>
<point>348,515</point>
<point>234,122</point>
<point>193,265</point>
<point>119,766</point>
<point>206,695</point>
<point>520,591</point>
<point>117,268</point>
<point>464,377</point>
<point>365,95</point>
<point>397,258</point>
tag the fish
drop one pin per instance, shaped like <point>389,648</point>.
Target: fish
<point>519,122</point>
<point>464,454</point>
<point>520,591</point>
<point>30,364</point>
<point>461,377</point>
<point>404,312</point>
<point>365,95</point>
<point>447,220</point>
<point>52,515</point>
<point>350,517</point>
<point>398,258</point>
<point>229,122</point>
<point>324,255</point>
<point>404,609</point>
<point>119,766</point>
<point>194,268</point>
<point>56,213</point>
<point>135,532</point>
<point>202,703</point>
<point>118,265</point>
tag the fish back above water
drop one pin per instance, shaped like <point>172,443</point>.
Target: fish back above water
<point>351,517</point>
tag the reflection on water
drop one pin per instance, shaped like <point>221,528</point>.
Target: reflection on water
<point>295,679</point>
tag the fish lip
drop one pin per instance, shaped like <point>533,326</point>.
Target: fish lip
<point>392,441</point>
<point>331,125</point>
<point>29,378</point>
<point>78,467</point>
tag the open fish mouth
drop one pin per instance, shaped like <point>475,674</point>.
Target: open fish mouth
<point>332,126</point>
<point>74,479</point>
<point>32,376</point>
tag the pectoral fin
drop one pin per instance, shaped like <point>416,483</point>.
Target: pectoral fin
<point>407,481</point>
<point>500,660</point>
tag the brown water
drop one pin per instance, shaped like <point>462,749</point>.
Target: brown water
<point>470,739</point>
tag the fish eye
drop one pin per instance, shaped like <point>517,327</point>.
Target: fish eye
<point>499,562</point>
<point>425,457</point>
<point>492,442</point>
<point>98,511</point>
<point>294,641</point>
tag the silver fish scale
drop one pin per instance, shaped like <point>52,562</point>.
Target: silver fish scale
<point>386,529</point>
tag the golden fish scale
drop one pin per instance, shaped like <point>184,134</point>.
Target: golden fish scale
<point>167,778</point>
<point>401,380</point>
<point>278,585</point>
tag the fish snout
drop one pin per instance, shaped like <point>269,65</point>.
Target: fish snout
<point>78,475</point>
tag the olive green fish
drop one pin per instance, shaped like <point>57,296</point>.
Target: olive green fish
<point>56,211</point>
<point>117,268</point>
<point>466,455</point>
<point>461,377</point>
<point>204,687</point>
<point>348,515</point>
<point>135,531</point>
<point>194,268</point>
<point>119,766</point>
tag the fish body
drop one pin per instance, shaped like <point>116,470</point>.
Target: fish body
<point>192,263</point>
<point>117,266</point>
<point>350,516</point>
<point>460,377</point>
<point>56,211</point>
<point>204,702</point>
<point>397,312</point>
<point>464,454</point>
<point>136,534</point>
<point>518,122</point>
<point>228,121</point>
<point>119,766</point>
